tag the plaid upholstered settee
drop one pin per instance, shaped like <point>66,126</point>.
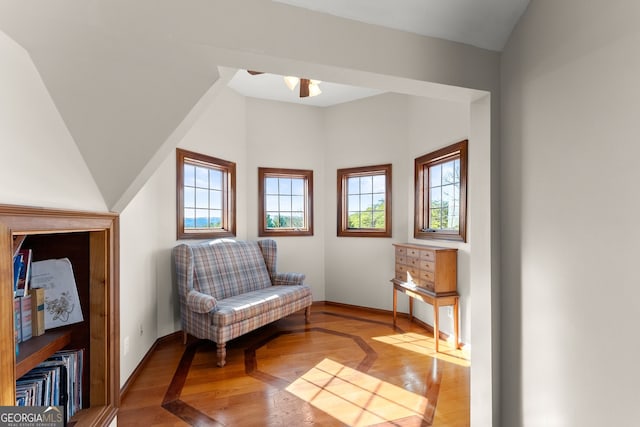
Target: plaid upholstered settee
<point>228,288</point>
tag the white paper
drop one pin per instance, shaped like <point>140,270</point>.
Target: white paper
<point>61,301</point>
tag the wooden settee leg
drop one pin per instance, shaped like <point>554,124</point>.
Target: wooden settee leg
<point>222,354</point>
<point>307,314</point>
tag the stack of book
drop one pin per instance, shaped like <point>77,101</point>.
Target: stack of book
<point>55,382</point>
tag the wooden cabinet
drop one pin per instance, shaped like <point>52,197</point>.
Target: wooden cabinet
<point>427,274</point>
<point>90,241</point>
<point>429,267</point>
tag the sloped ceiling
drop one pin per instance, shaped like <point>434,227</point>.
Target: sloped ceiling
<point>481,23</point>
<point>120,96</point>
<point>125,75</point>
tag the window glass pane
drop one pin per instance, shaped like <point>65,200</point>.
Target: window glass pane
<point>353,203</point>
<point>456,170</point>
<point>297,203</point>
<point>435,176</point>
<point>378,201</point>
<point>272,220</point>
<point>353,185</point>
<point>202,218</point>
<point>189,197</point>
<point>284,186</point>
<point>378,219</point>
<point>202,177</point>
<point>215,179</point>
<point>447,172</point>
<point>297,186</point>
<point>434,219</point>
<point>447,195</point>
<point>271,185</point>
<point>297,219</point>
<point>285,220</point>
<point>189,175</point>
<point>285,203</point>
<point>189,218</point>
<point>354,219</point>
<point>215,199</point>
<point>436,196</point>
<point>379,184</point>
<point>202,198</point>
<point>366,202</point>
<point>215,218</point>
<point>366,184</point>
<point>271,203</point>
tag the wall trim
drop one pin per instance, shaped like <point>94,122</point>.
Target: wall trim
<point>177,335</point>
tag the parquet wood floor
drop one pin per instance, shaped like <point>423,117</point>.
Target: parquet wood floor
<point>348,367</point>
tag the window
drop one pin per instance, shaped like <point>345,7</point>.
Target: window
<point>285,202</point>
<point>441,194</point>
<point>206,196</point>
<point>364,201</point>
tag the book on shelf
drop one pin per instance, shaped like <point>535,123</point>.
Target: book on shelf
<point>24,274</point>
<point>16,324</point>
<point>26,317</point>
<point>56,381</point>
<point>17,266</point>
<point>62,304</point>
<point>37,311</point>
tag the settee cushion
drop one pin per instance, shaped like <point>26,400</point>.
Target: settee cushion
<point>225,268</point>
<point>274,299</point>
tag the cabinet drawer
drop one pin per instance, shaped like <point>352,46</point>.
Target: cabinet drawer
<point>401,275</point>
<point>401,252</point>
<point>428,285</point>
<point>407,274</point>
<point>427,275</point>
<point>428,255</point>
<point>412,252</point>
<point>427,265</point>
<point>401,260</point>
<point>412,262</point>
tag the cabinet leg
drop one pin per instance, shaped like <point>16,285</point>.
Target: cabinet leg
<point>395,305</point>
<point>307,314</point>
<point>436,326</point>
<point>456,323</point>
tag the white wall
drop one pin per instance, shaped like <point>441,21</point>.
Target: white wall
<point>282,135</point>
<point>435,124</point>
<point>367,132</point>
<point>41,164</point>
<point>148,231</point>
<point>395,129</point>
<point>570,151</point>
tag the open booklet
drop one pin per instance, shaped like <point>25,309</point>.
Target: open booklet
<point>62,304</point>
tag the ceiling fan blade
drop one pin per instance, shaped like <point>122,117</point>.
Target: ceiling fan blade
<point>255,73</point>
<point>304,88</point>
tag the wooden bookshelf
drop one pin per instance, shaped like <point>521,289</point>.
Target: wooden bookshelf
<point>37,349</point>
<point>90,241</point>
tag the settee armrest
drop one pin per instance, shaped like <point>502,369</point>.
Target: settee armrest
<point>288,278</point>
<point>200,303</point>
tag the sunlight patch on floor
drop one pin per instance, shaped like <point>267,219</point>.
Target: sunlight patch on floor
<point>355,398</point>
<point>425,345</point>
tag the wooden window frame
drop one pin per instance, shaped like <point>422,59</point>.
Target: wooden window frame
<point>343,215</point>
<point>422,196</point>
<point>228,168</point>
<point>307,175</point>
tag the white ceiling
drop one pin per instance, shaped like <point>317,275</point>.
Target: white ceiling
<point>481,23</point>
<point>272,86</point>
